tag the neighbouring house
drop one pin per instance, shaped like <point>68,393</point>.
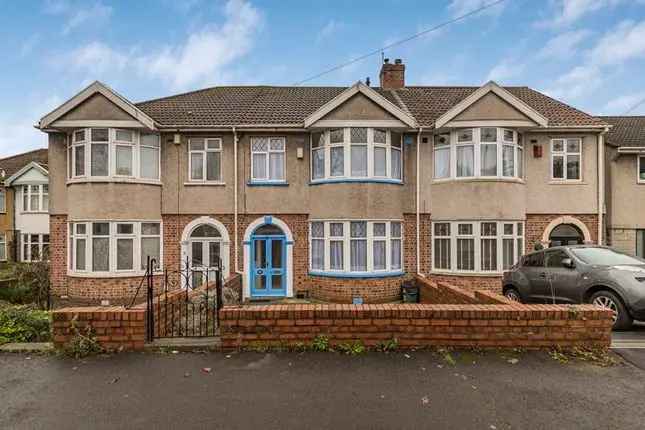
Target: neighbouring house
<point>328,192</point>
<point>24,205</point>
<point>626,183</point>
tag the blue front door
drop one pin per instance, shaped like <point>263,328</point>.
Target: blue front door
<point>268,266</point>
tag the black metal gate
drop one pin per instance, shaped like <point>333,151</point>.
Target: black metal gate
<point>184,303</point>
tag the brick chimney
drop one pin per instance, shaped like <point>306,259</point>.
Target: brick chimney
<point>392,75</point>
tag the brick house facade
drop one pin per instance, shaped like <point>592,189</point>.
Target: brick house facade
<point>335,194</point>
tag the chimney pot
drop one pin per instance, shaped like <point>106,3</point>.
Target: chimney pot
<point>392,76</point>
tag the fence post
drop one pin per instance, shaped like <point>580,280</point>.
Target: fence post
<point>150,301</point>
<point>218,288</point>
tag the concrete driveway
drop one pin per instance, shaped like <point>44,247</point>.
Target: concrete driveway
<point>318,391</point>
<point>631,344</point>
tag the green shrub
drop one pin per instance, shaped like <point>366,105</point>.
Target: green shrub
<point>320,343</point>
<point>17,294</point>
<point>83,343</point>
<point>388,345</point>
<point>24,324</point>
<point>32,283</point>
<point>353,348</point>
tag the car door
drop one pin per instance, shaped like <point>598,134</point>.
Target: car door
<point>562,281</point>
<point>534,272</point>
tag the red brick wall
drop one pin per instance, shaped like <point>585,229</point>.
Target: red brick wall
<point>471,283</point>
<point>343,290</point>
<point>121,289</point>
<point>441,293</point>
<point>488,326</point>
<point>537,223</point>
<point>410,242</point>
<point>114,327</point>
<point>58,254</point>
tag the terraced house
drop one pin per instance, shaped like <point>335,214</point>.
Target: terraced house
<point>328,192</point>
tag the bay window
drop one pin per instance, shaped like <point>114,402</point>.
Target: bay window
<point>113,247</point>
<point>268,159</point>
<point>356,153</point>
<point>205,159</point>
<point>486,152</point>
<point>356,248</point>
<point>476,246</point>
<point>109,153</point>
<point>566,159</point>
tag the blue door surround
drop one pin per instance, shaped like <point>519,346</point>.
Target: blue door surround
<point>268,268</point>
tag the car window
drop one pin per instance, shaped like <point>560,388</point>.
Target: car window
<point>554,258</point>
<point>604,257</point>
<point>535,260</point>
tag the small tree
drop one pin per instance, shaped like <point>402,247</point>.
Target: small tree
<point>34,279</point>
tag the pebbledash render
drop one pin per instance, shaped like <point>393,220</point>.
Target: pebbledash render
<point>334,193</point>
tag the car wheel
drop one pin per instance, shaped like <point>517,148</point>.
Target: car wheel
<point>513,295</point>
<point>609,300</point>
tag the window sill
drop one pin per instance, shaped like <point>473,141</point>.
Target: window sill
<point>205,183</point>
<point>356,180</point>
<point>466,274</point>
<point>34,212</point>
<point>567,182</point>
<point>332,274</point>
<point>115,180</point>
<point>479,179</point>
<point>267,184</point>
<point>100,275</point>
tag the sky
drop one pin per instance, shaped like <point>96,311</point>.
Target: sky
<point>587,53</point>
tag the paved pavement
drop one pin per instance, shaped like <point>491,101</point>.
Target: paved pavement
<point>318,390</point>
<point>631,344</point>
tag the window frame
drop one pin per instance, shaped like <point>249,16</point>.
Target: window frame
<point>267,161</point>
<point>27,243</point>
<point>204,153</point>
<point>112,143</point>
<point>3,246</point>
<point>640,161</point>
<point>113,236</point>
<point>347,239</point>
<point>42,196</point>
<point>565,154</point>
<point>517,235</point>
<point>346,144</point>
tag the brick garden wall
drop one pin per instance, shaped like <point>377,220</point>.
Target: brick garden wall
<point>486,326</point>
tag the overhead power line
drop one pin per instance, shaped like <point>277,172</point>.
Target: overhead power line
<point>633,108</point>
<point>402,41</point>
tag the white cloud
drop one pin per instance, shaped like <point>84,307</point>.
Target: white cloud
<point>79,14</point>
<point>505,70</point>
<point>328,30</point>
<point>622,104</point>
<point>625,42</point>
<point>566,12</point>
<point>461,7</point>
<point>579,81</point>
<point>18,132</point>
<point>563,45</point>
<point>203,58</point>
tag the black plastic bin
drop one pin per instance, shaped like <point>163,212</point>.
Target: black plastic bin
<point>410,293</point>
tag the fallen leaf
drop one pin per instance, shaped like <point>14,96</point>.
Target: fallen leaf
<point>406,355</point>
<point>513,361</point>
<point>114,380</point>
<point>174,351</point>
<point>206,369</point>
<point>228,356</point>
<point>425,400</point>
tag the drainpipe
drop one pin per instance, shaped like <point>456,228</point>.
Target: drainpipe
<point>418,197</point>
<point>235,215</point>
<point>601,185</point>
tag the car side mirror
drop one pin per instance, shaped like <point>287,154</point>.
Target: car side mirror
<point>568,263</point>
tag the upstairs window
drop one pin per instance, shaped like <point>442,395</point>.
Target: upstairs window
<point>35,198</point>
<point>566,155</point>
<point>205,159</point>
<point>356,153</point>
<point>487,152</point>
<point>641,169</point>
<point>268,159</point>
<point>110,153</point>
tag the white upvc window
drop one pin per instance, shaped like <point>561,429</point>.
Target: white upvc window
<point>566,159</point>
<point>35,247</point>
<point>356,247</point>
<point>641,169</point>
<point>111,153</point>
<point>3,247</point>
<point>486,152</point>
<point>476,246</point>
<point>356,153</point>
<point>205,160</point>
<point>35,198</point>
<point>268,159</point>
<point>3,200</point>
<point>114,247</point>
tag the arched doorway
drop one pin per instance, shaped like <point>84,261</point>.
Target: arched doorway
<point>205,245</point>
<point>566,234</point>
<point>268,257</point>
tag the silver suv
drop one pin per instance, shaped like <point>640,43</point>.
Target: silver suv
<point>581,274</point>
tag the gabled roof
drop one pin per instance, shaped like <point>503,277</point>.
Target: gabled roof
<point>14,163</point>
<point>272,106</point>
<point>25,169</point>
<point>110,94</point>
<point>368,92</point>
<point>627,131</point>
<point>491,87</point>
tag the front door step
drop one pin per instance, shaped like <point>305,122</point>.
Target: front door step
<point>185,343</point>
